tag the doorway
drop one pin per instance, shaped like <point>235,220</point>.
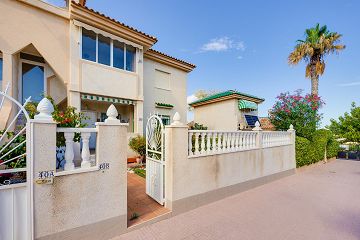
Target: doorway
<point>146,184</point>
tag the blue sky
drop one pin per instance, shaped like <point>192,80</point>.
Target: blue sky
<point>244,45</point>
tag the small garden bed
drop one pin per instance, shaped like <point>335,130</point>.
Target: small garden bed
<point>139,170</point>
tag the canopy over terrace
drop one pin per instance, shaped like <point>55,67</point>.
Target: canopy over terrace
<point>95,106</point>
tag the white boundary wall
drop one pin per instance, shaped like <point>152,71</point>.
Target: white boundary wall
<point>196,177</point>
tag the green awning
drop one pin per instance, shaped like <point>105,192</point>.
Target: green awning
<point>244,104</point>
<point>106,99</point>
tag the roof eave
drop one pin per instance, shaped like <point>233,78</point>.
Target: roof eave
<point>98,20</point>
<point>224,98</point>
<point>168,60</point>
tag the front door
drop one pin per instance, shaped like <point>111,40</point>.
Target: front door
<point>155,161</point>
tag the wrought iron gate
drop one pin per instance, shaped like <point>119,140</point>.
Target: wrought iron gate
<point>155,161</point>
<point>15,163</point>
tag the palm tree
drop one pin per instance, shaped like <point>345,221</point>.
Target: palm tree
<point>318,43</point>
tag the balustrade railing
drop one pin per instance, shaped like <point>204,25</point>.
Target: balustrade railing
<point>205,142</point>
<point>83,135</point>
<point>273,139</point>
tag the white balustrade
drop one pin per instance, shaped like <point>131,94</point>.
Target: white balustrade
<point>69,134</point>
<point>69,151</point>
<point>208,142</point>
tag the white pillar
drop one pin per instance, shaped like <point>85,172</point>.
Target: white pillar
<point>258,129</point>
<point>85,152</point>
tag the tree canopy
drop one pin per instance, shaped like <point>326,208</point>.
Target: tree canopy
<point>348,125</point>
<point>318,43</point>
<point>300,111</point>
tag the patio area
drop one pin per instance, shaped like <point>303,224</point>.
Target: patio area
<point>319,202</point>
<point>140,203</point>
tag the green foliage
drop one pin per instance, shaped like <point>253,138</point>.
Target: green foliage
<point>134,216</point>
<point>67,118</point>
<point>303,151</point>
<point>20,162</point>
<point>318,43</point>
<point>140,171</point>
<point>354,147</point>
<point>348,126</point>
<point>313,150</point>
<point>332,148</point>
<point>138,144</point>
<point>198,126</point>
<point>300,111</point>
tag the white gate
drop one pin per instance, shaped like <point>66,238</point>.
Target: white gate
<point>155,161</point>
<point>15,162</point>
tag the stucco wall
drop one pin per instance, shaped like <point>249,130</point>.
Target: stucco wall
<point>108,81</point>
<point>175,96</point>
<point>218,116</point>
<point>90,205</point>
<point>207,178</point>
<point>24,24</point>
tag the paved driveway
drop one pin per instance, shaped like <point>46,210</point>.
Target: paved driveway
<point>321,202</point>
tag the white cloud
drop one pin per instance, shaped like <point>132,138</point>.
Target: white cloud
<point>351,84</point>
<point>191,99</point>
<point>240,46</point>
<point>222,44</point>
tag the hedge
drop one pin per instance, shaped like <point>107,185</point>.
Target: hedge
<point>312,151</point>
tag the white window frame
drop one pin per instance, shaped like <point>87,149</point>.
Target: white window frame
<point>20,86</point>
<point>112,38</point>
<point>167,117</point>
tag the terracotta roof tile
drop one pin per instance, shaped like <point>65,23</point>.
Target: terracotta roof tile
<point>112,19</point>
<point>266,124</point>
<point>173,58</point>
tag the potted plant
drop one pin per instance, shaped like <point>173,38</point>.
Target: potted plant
<point>138,145</point>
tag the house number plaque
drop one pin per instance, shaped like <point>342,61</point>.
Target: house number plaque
<point>45,177</point>
<point>104,166</point>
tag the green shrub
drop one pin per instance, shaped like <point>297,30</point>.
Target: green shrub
<point>198,126</point>
<point>138,145</point>
<point>300,111</point>
<point>312,151</point>
<point>303,151</point>
<point>332,148</point>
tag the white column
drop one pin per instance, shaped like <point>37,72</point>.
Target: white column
<point>215,143</point>
<point>196,144</point>
<point>208,143</point>
<point>202,142</point>
<point>85,152</point>
<point>190,144</point>
<point>69,151</point>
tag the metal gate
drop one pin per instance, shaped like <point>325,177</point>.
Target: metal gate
<point>155,161</point>
<point>15,162</point>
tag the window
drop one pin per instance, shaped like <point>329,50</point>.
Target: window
<point>88,45</point>
<point>118,55</point>
<point>162,79</point>
<point>1,73</point>
<point>104,50</point>
<point>165,119</point>
<point>98,48</point>
<point>32,82</point>
<point>130,58</point>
